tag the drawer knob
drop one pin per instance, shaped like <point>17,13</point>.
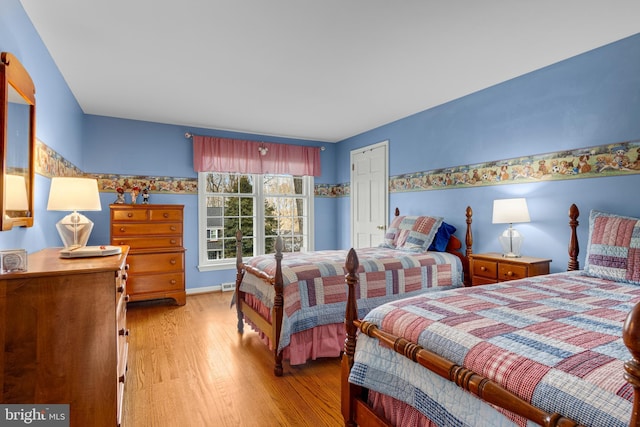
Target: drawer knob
<point>121,243</point>
<point>509,273</point>
<point>483,268</point>
<point>172,241</point>
<point>129,214</point>
<point>172,261</point>
<point>173,228</point>
<point>172,281</point>
<point>166,215</point>
<point>122,229</point>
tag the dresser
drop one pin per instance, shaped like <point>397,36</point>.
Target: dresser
<point>64,335</point>
<point>493,268</point>
<point>155,235</point>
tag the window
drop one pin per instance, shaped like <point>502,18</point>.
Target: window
<point>262,206</point>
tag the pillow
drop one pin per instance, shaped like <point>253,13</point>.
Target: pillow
<point>614,247</point>
<point>441,240</point>
<point>417,232</point>
<point>391,236</point>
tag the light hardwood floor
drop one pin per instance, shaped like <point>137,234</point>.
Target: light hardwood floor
<point>188,366</point>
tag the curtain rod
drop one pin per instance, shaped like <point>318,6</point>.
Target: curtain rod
<point>189,135</point>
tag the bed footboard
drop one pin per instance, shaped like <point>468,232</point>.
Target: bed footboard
<point>271,327</point>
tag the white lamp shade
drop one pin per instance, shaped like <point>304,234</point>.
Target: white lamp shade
<point>74,194</point>
<point>16,193</point>
<point>508,211</point>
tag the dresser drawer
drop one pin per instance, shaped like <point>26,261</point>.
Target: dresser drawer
<point>511,271</point>
<point>147,229</point>
<point>165,215</point>
<point>154,263</point>
<point>486,269</point>
<point>149,242</point>
<point>128,215</point>
<point>152,282</point>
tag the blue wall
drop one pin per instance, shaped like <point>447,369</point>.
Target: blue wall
<point>588,100</point>
<point>129,147</point>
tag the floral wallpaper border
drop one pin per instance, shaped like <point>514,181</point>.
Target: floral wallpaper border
<point>621,158</point>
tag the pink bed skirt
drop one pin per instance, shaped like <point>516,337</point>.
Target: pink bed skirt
<point>396,412</point>
<point>321,341</point>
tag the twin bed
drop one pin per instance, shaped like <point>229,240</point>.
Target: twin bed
<point>555,350</point>
<point>297,300</point>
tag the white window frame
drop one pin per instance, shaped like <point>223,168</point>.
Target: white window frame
<point>205,264</point>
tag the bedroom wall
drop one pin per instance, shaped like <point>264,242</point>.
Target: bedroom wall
<point>130,147</point>
<point>589,100</point>
<point>58,120</point>
<point>108,145</point>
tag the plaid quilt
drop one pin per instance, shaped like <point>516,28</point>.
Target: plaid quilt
<point>315,292</point>
<point>553,340</point>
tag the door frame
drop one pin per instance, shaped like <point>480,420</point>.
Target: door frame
<point>384,144</point>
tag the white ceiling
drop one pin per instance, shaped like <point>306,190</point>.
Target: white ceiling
<point>313,69</point>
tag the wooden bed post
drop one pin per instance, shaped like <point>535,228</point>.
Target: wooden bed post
<point>468,241</point>
<point>278,304</point>
<point>239,276</point>
<point>351,314</point>
<point>574,248</point>
<point>631,338</point>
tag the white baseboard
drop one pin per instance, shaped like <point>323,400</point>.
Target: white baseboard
<point>224,287</point>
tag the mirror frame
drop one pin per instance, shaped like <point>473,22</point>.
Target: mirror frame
<point>13,73</point>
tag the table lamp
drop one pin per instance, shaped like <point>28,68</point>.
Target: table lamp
<point>508,211</point>
<point>74,194</point>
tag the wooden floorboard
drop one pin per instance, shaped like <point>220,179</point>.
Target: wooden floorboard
<point>188,366</point>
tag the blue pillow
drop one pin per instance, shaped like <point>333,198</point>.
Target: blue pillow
<point>441,240</point>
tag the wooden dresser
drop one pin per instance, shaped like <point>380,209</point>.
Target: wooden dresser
<point>64,335</point>
<point>493,268</point>
<point>155,235</point>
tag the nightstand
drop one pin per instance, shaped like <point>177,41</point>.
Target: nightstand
<point>493,268</point>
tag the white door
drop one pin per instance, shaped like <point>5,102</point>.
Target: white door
<point>369,195</point>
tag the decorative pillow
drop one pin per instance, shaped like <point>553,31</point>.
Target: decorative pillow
<point>441,240</point>
<point>614,247</point>
<point>417,232</point>
<point>391,236</point>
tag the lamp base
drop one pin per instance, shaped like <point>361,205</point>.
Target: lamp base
<point>74,230</point>
<point>511,242</point>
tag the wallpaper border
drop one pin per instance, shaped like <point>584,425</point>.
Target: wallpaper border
<point>616,159</point>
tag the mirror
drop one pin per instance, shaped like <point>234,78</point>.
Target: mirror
<point>17,143</point>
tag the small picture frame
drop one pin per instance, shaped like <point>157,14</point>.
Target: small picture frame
<point>13,261</point>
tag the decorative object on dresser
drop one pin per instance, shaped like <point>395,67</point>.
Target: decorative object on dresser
<point>74,194</point>
<point>64,335</point>
<point>508,211</point>
<point>493,268</point>
<point>155,235</point>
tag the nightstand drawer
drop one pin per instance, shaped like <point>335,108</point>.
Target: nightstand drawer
<point>487,269</point>
<point>512,271</point>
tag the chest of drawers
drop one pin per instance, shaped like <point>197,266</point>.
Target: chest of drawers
<point>156,258</point>
<point>493,268</point>
<point>64,335</point>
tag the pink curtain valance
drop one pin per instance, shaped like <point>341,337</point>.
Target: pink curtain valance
<point>212,154</point>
